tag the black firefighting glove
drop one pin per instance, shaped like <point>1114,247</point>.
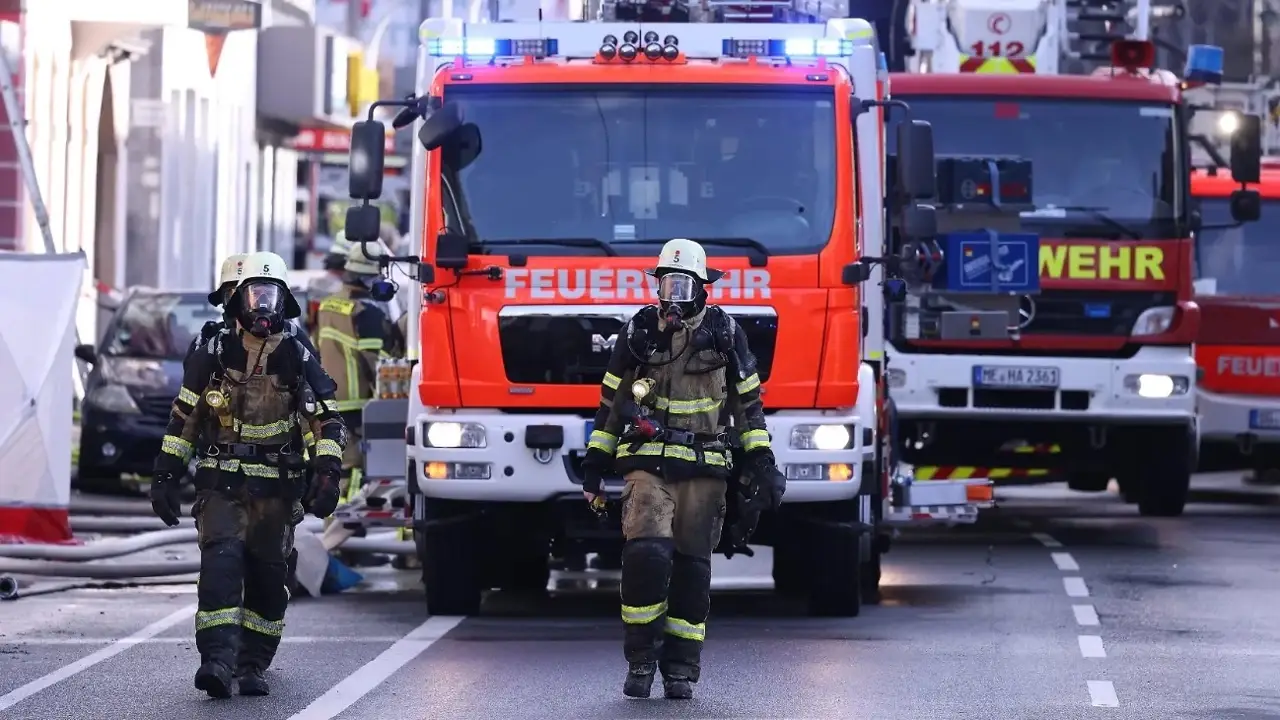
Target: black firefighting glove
<point>321,498</point>
<point>593,481</point>
<point>166,499</point>
<point>772,484</point>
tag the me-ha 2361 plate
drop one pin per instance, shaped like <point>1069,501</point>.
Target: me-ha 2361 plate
<point>1264,419</point>
<point>1021,377</point>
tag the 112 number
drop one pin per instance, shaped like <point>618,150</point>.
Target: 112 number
<point>1012,49</point>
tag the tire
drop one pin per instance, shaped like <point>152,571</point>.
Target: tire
<point>789,567</point>
<point>526,574</point>
<point>449,569</point>
<point>838,583</point>
<point>1164,480</point>
<point>1088,481</point>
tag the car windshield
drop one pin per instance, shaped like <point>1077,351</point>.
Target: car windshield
<point>1243,260</point>
<point>1103,167</point>
<point>159,326</point>
<point>626,163</point>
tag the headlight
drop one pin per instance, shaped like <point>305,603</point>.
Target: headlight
<point>112,398</point>
<point>1157,386</point>
<point>821,437</point>
<point>455,435</point>
<point>896,377</point>
<point>1154,321</point>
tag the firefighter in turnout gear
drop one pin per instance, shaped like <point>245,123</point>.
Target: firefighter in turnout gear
<point>247,398</point>
<point>354,332</point>
<point>229,276</point>
<point>331,282</point>
<point>680,390</point>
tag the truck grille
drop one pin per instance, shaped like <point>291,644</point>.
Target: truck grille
<point>1083,312</point>
<point>575,349</point>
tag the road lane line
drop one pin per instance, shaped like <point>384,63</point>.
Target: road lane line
<point>1064,561</point>
<point>1046,540</point>
<point>375,672</point>
<point>1075,587</point>
<point>1091,646</point>
<point>1085,614</point>
<point>115,648</point>
<point>1102,693</point>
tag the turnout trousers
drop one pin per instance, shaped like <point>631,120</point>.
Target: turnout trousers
<point>671,529</point>
<point>245,546</point>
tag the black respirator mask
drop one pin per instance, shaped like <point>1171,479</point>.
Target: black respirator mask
<point>680,296</point>
<point>260,307</point>
<point>382,289</point>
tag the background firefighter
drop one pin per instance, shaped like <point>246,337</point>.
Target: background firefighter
<point>245,399</point>
<point>678,375</point>
<point>354,332</point>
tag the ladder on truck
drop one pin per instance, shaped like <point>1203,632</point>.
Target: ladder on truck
<point>1046,37</point>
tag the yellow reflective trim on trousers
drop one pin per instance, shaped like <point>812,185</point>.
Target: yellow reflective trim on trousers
<point>206,619</point>
<point>255,622</point>
<point>612,381</point>
<point>687,407</point>
<point>601,440</point>
<point>250,469</point>
<point>177,447</point>
<point>749,384</point>
<point>678,452</point>
<point>643,614</point>
<point>754,439</point>
<point>262,432</point>
<point>328,447</point>
<point>348,405</point>
<point>188,396</point>
<point>684,629</point>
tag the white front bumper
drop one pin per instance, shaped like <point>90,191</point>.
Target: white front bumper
<point>1102,378</point>
<point>517,476</point>
<point>1226,417</point>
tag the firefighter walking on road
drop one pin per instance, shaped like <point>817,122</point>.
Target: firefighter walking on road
<point>247,398</point>
<point>353,333</point>
<point>680,379</point>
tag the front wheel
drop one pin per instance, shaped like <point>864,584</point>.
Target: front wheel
<point>450,567</point>
<point>1162,480</point>
<point>837,584</point>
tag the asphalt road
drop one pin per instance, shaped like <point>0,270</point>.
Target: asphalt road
<point>1058,606</point>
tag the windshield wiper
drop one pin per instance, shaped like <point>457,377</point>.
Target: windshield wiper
<point>736,242</point>
<point>583,242</point>
<point>1097,214</point>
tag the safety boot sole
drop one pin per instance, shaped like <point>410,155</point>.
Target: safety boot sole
<point>214,683</point>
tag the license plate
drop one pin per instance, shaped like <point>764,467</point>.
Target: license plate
<point>1015,376</point>
<point>1264,419</point>
<point>586,431</point>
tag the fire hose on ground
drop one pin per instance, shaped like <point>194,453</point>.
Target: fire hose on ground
<point>12,589</point>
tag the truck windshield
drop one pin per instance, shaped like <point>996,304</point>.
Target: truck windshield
<point>1242,260</point>
<point>627,163</point>
<point>1107,169</point>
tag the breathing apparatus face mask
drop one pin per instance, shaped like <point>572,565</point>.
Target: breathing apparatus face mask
<point>261,307</point>
<point>679,295</point>
<point>382,289</point>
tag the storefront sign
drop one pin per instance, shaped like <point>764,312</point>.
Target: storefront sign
<point>222,16</point>
<point>323,140</point>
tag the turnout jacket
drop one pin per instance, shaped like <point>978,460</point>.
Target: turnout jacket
<point>704,386</point>
<point>354,333</point>
<point>275,392</point>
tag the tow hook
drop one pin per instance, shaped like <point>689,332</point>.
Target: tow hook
<point>1246,442</point>
<point>1097,436</point>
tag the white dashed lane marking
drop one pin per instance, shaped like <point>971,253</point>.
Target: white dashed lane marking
<point>1064,561</point>
<point>1103,694</point>
<point>1085,614</point>
<point>1046,540</point>
<point>1091,646</point>
<point>1075,587</point>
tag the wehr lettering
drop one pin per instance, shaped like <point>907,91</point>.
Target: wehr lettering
<point>1244,366</point>
<point>616,285</point>
<point>1102,262</point>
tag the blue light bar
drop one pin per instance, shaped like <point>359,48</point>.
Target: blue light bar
<point>789,48</point>
<point>479,48</point>
<point>1204,65</point>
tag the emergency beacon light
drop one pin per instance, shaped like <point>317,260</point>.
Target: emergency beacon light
<point>1204,65</point>
<point>789,48</point>
<point>482,48</point>
<point>1133,55</point>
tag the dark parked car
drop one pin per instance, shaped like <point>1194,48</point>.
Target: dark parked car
<point>137,370</point>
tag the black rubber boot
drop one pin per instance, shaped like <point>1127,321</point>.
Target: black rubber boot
<point>639,682</point>
<point>677,688</point>
<point>214,679</point>
<point>252,683</point>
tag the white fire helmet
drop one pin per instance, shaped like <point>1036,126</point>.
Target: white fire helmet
<point>685,256</point>
<point>228,274</point>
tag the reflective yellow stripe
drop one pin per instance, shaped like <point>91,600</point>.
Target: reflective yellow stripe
<point>188,396</point>
<point>308,438</point>
<point>335,335</point>
<point>369,344</point>
<point>687,630</point>
<point>754,439</point>
<point>643,615</point>
<point>348,405</point>
<point>338,305</point>
<point>678,452</point>
<point>330,405</point>
<point>251,469</point>
<point>687,407</point>
<point>601,440</point>
<point>751,383</point>
<point>261,432</point>
<point>328,447</point>
<point>206,619</point>
<point>255,622</point>
<point>612,381</point>
<point>177,447</point>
